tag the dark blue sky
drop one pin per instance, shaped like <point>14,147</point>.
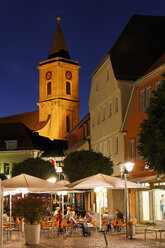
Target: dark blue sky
<point>27,27</point>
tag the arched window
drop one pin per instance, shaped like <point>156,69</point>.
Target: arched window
<point>67,123</point>
<point>49,88</point>
<point>68,88</point>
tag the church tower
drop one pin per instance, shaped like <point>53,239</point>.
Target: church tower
<point>58,90</point>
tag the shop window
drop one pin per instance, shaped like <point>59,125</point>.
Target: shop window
<point>67,123</point>
<point>132,149</point>
<point>6,168</point>
<point>68,88</point>
<point>49,89</point>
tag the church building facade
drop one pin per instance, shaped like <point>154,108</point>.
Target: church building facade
<point>59,101</point>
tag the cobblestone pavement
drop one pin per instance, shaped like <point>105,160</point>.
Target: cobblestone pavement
<point>95,240</point>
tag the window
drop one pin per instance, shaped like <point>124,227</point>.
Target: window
<point>67,123</point>
<point>103,114</point>
<point>93,120</point>
<point>158,84</point>
<point>116,104</point>
<point>6,168</point>
<point>132,149</point>
<point>117,145</point>
<point>98,118</point>
<point>84,131</point>
<point>110,109</point>
<point>139,157</point>
<point>107,75</point>
<point>11,144</point>
<point>97,85</point>
<point>148,94</point>
<point>68,88</point>
<point>109,147</point>
<point>49,89</point>
<point>105,148</point>
<point>142,99</point>
<point>88,128</point>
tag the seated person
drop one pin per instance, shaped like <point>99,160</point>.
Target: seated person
<point>59,218</point>
<point>119,216</point>
<point>85,231</point>
<point>89,218</point>
<point>109,221</point>
<point>5,217</point>
<point>56,211</point>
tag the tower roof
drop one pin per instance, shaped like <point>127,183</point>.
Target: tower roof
<point>58,48</point>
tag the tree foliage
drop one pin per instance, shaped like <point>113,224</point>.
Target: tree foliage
<point>3,176</point>
<point>30,208</point>
<point>35,167</point>
<point>152,134</point>
<point>80,164</point>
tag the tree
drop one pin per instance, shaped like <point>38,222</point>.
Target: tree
<point>35,167</point>
<point>3,176</point>
<point>80,164</point>
<point>152,133</point>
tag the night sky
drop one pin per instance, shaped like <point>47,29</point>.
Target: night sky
<point>27,28</point>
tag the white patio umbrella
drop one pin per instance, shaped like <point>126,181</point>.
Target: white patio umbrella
<point>103,181</point>
<point>31,183</point>
<point>99,182</point>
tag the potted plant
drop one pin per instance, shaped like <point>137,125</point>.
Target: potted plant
<point>32,209</point>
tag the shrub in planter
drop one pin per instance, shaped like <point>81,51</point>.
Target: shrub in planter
<point>32,209</point>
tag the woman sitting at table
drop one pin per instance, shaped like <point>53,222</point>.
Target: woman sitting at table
<point>86,232</point>
<point>89,219</point>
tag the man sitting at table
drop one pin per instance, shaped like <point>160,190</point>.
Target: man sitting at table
<point>119,216</point>
<point>86,232</point>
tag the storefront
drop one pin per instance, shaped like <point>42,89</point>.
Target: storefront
<point>150,204</point>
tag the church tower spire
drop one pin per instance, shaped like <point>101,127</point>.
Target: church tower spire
<point>58,90</point>
<point>59,47</point>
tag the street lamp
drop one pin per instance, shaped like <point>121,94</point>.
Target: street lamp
<point>126,168</point>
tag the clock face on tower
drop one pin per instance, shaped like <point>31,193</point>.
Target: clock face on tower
<point>48,75</point>
<point>68,75</point>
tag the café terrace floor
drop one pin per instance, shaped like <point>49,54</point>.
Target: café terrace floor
<point>49,240</point>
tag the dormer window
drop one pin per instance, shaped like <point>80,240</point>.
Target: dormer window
<point>11,144</point>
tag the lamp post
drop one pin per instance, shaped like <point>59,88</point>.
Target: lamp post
<point>126,168</point>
